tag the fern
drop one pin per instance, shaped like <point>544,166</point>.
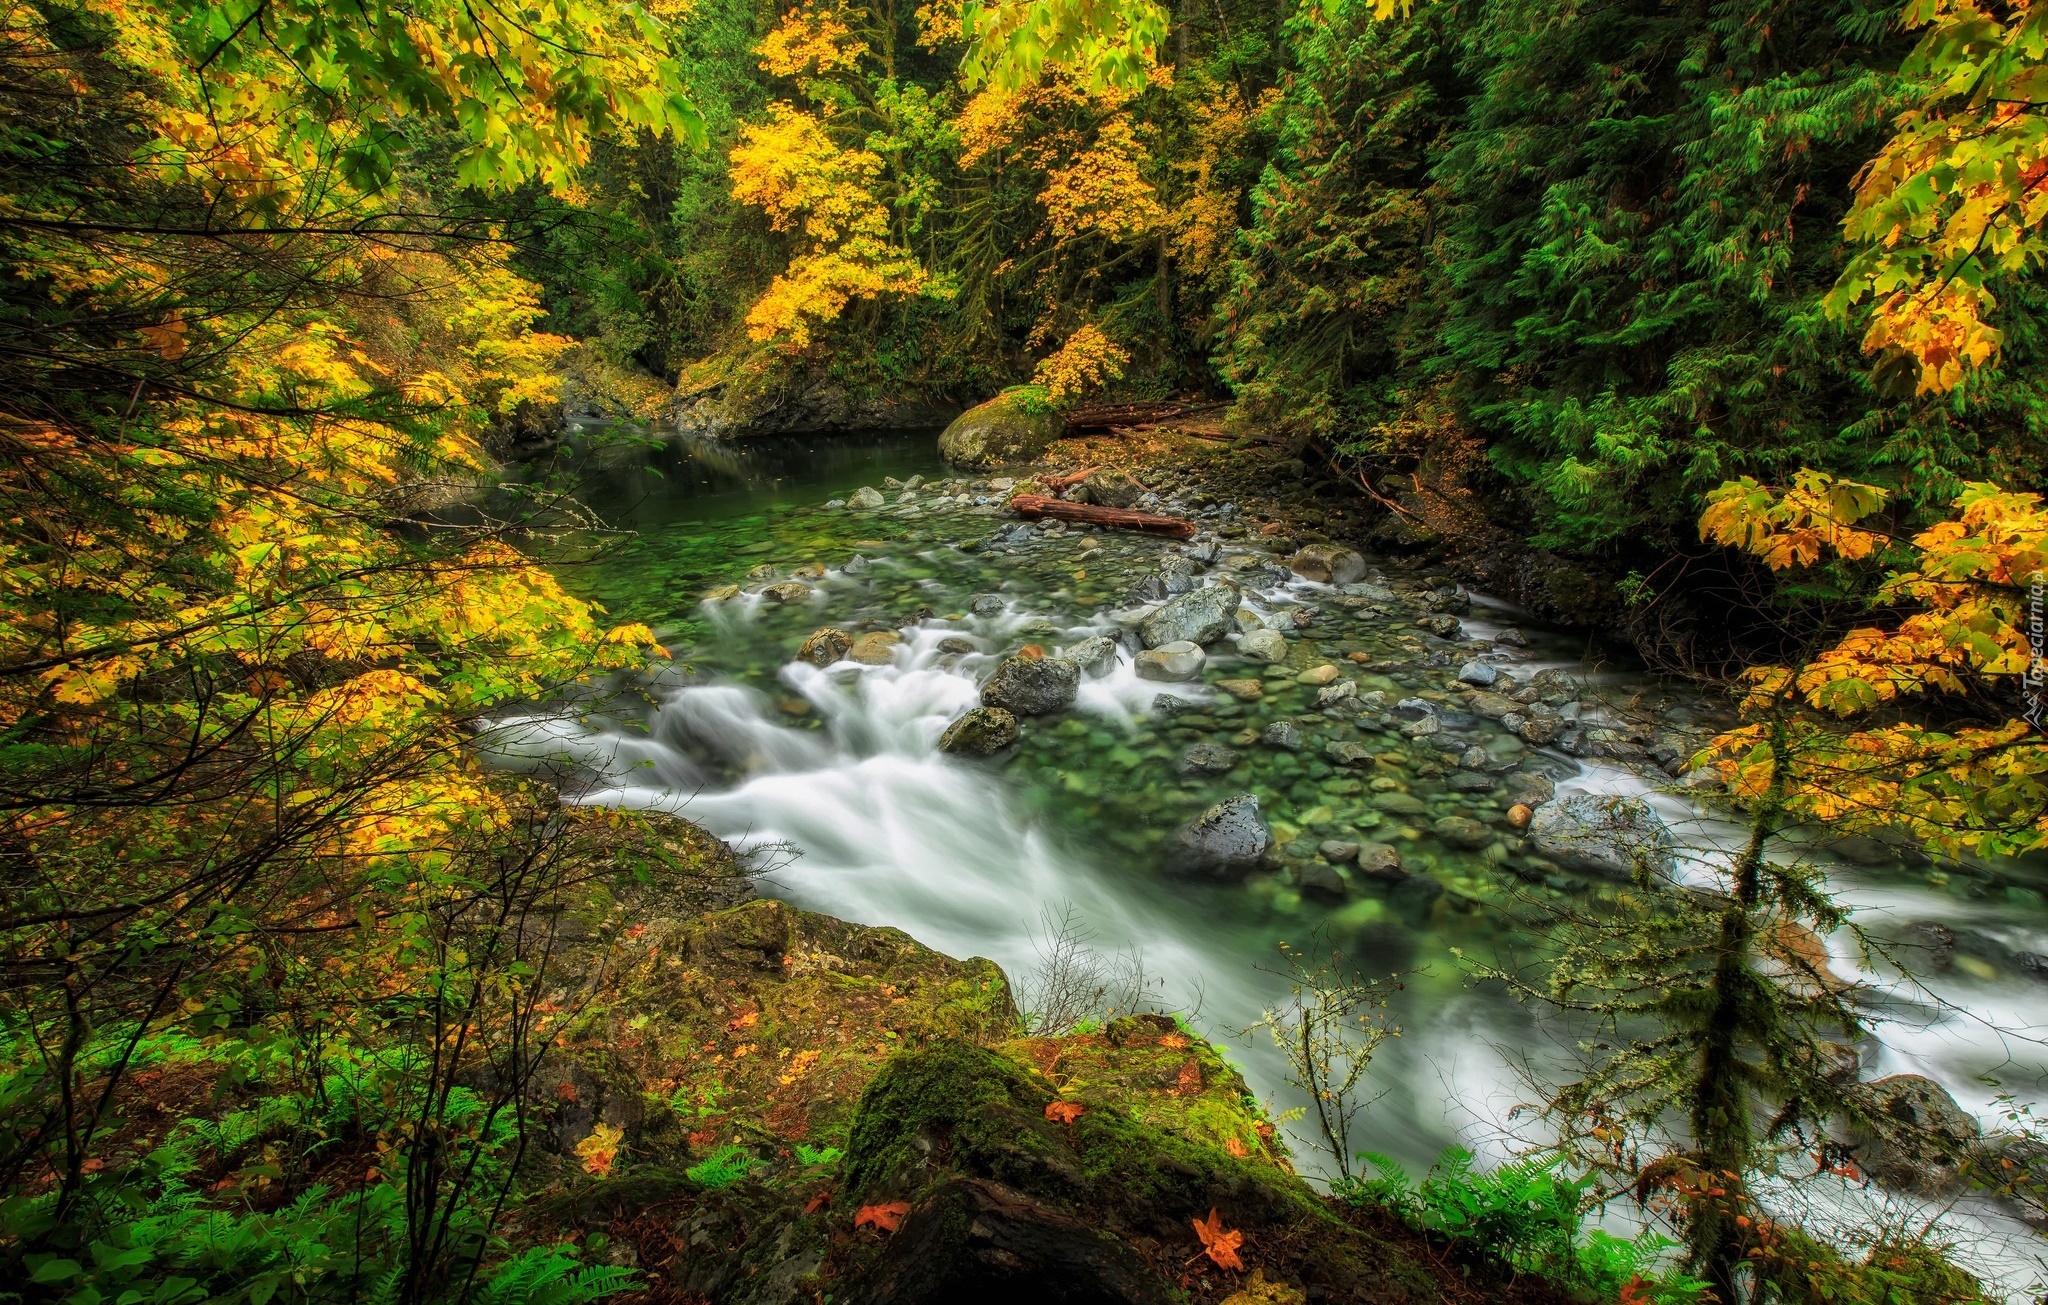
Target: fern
<point>726,1166</point>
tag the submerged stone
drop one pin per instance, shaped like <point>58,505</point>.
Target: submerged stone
<point>1282,734</point>
<point>1229,836</point>
<point>866,497</point>
<point>1207,759</point>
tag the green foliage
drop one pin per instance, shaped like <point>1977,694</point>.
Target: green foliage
<point>726,1166</point>
<point>1528,1214</point>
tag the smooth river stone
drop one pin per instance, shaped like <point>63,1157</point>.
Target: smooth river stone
<point>875,648</point>
<point>1195,617</point>
<point>1318,675</point>
<point>1032,686</point>
<point>1174,663</point>
<point>1231,835</point>
<point>1264,646</point>
<point>1243,690</point>
<point>1606,834</point>
<point>981,732</point>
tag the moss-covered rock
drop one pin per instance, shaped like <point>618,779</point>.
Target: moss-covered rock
<point>1015,426</point>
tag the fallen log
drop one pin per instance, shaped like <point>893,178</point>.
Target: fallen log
<point>1058,483</point>
<point>1033,506</point>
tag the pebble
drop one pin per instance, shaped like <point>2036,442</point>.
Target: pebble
<point>723,593</point>
<point>1337,852</point>
<point>1518,816</point>
<point>1480,674</point>
<point>1323,674</point>
<point>1175,662</point>
<point>1333,694</point>
<point>1243,690</point>
<point>1283,735</point>
<point>1207,759</point>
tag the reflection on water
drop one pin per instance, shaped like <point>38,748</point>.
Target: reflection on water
<point>841,765</point>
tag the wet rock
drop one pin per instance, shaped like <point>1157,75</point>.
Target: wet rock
<point>1031,687</point>
<point>1490,706</point>
<point>1400,804</point>
<point>988,605</point>
<point>825,646</point>
<point>1318,675</point>
<point>835,505</point>
<point>789,591</point>
<point>1348,754</point>
<point>980,733</point>
<point>956,646</point>
<point>1879,850</point>
<point>1414,895</point>
<point>1150,588</point>
<point>1372,593</point>
<point>1207,759</point>
<point>1530,789</point>
<point>1318,880</point>
<point>1282,734</point>
<point>1328,564</point>
<point>1243,690</point>
<point>1463,832</point>
<point>1414,708</point>
<point>855,565</point>
<point>1917,1139</point>
<point>1475,758</point>
<point>1095,655</point>
<point>1381,862</point>
<point>1264,646</point>
<point>1337,852</point>
<point>722,593</point>
<point>1336,693</point>
<point>1196,617</point>
<point>1605,834</point>
<point>1174,663</point>
<point>914,483</point>
<point>1421,729</point>
<point>866,497</point>
<point>875,648</point>
<point>1928,947</point>
<point>1110,488</point>
<point>1479,674</point>
<point>1229,836</point>
<point>1248,621</point>
<point>1511,638</point>
<point>1014,426</point>
<point>1519,815</point>
<point>1468,781</point>
<point>1166,706</point>
<point>1541,731</point>
<point>1443,627</point>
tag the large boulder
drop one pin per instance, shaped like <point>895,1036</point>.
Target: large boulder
<point>1032,687</point>
<point>982,732</point>
<point>1913,1136</point>
<point>1606,834</point>
<point>1015,426</point>
<point>1329,564</point>
<point>1229,836</point>
<point>1197,617</point>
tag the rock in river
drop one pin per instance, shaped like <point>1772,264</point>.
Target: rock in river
<point>1110,488</point>
<point>1231,835</point>
<point>1207,759</point>
<point>789,591</point>
<point>1195,617</point>
<point>1481,674</point>
<point>875,648</point>
<point>980,732</point>
<point>1463,832</point>
<point>867,496</point>
<point>1443,627</point>
<point>1282,734</point>
<point>1606,834</point>
<point>1264,646</point>
<point>1032,687</point>
<point>1918,1138</point>
<point>1095,654</point>
<point>1172,662</point>
<point>825,647</point>
<point>1328,564</point>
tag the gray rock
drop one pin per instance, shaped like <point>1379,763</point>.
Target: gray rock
<point>1248,621</point>
<point>982,731</point>
<point>1414,708</point>
<point>1371,593</point>
<point>954,644</point>
<point>1511,638</point>
<point>855,565</point>
<point>1469,781</point>
<point>1167,706</point>
<point>1490,706</point>
<point>1195,617</point>
<point>988,605</point>
<point>1264,646</point>
<point>1032,687</point>
<point>1475,758</point>
<point>1530,790</point>
<point>1333,694</point>
<point>1913,1135</point>
<point>1463,832</point>
<point>1319,880</point>
<point>1095,655</point>
<point>1479,673</point>
<point>1109,487</point>
<point>1282,734</point>
<point>867,496</point>
<point>1338,852</point>
<point>1443,627</point>
<point>1207,759</point>
<point>1174,663</point>
<point>1348,754</point>
<point>789,591</point>
<point>825,647</point>
<point>1541,731</point>
<point>1229,836</point>
<point>1012,427</point>
<point>1400,804</point>
<point>835,504</point>
<point>1605,834</point>
<point>1328,564</point>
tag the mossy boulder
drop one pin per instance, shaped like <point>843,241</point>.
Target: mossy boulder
<point>1015,426</point>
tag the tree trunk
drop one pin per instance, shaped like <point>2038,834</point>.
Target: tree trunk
<point>1033,506</point>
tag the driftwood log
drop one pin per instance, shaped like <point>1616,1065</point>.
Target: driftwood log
<point>1058,483</point>
<point>1033,506</point>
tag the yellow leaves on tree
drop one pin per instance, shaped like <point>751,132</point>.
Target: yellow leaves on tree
<point>1087,360</point>
<point>809,42</point>
<point>1102,190</point>
<point>1956,197</point>
<point>790,168</point>
<point>1970,592</point>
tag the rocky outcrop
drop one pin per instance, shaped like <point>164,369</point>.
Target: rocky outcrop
<point>799,406</point>
<point>1015,426</point>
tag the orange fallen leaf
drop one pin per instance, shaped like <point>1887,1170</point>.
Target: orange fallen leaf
<point>1189,1082</point>
<point>1032,652</point>
<point>1065,1112</point>
<point>818,1201</point>
<point>746,1021</point>
<point>1236,1148</point>
<point>1174,1041</point>
<point>888,1217</point>
<point>1219,1243</point>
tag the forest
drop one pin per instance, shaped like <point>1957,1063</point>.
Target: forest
<point>1712,335</point>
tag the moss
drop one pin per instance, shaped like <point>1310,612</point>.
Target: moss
<point>1015,426</point>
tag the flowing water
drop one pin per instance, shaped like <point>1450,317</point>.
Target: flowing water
<point>834,778</point>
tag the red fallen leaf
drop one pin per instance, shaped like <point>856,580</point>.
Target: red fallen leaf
<point>1065,1112</point>
<point>1219,1243</point>
<point>888,1217</point>
<point>821,1199</point>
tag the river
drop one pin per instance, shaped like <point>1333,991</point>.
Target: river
<point>833,778</point>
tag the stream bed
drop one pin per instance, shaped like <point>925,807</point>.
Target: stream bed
<point>1395,841</point>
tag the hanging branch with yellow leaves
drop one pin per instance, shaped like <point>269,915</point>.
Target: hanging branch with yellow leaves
<point>1970,589</point>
